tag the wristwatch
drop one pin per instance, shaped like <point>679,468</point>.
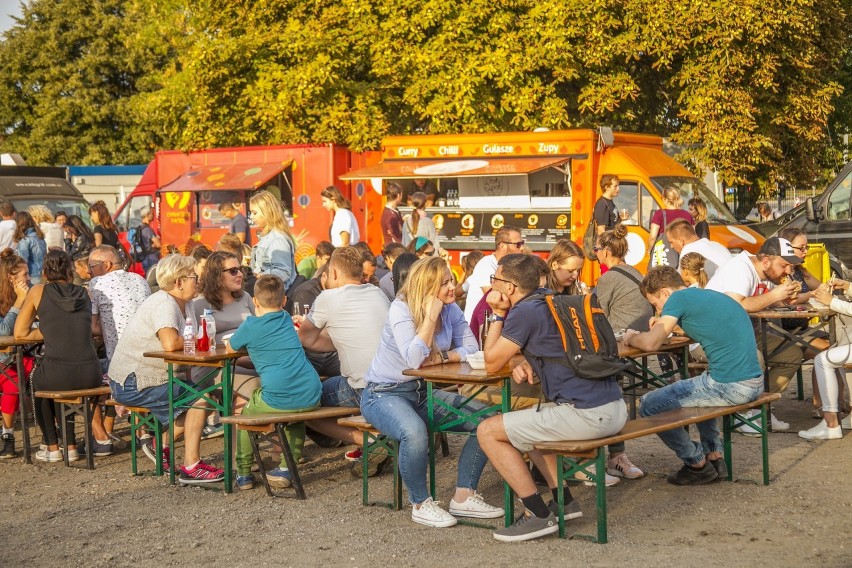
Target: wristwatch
<point>445,357</point>
<point>494,317</point>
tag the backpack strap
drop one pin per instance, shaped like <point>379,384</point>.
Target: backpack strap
<point>625,273</point>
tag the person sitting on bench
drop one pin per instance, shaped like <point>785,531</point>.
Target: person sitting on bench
<point>734,375</point>
<point>580,409</point>
<point>288,382</point>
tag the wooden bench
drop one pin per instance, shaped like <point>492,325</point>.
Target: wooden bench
<point>139,418</point>
<point>71,403</point>
<point>269,423</point>
<point>373,441</point>
<point>588,456</point>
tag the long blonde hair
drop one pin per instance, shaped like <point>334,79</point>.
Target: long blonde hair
<point>270,208</point>
<point>424,280</point>
<point>562,251</point>
<point>41,214</point>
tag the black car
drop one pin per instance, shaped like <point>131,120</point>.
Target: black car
<point>827,219</point>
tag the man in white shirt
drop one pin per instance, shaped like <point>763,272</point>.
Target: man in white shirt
<point>755,282</point>
<point>684,240</point>
<point>7,225</point>
<point>116,296</point>
<point>347,317</point>
<point>508,240</point>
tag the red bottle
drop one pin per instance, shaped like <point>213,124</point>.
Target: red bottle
<point>203,343</point>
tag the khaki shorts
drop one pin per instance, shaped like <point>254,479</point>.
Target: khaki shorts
<point>558,422</point>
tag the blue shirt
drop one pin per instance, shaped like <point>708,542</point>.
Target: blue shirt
<point>723,329</point>
<point>274,255</point>
<point>402,349</point>
<point>287,379</point>
<point>531,324</point>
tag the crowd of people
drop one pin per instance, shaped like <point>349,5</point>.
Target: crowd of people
<point>359,321</point>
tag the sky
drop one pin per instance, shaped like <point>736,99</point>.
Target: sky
<point>8,8</point>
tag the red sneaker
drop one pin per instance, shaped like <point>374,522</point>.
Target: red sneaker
<point>353,455</point>
<point>201,474</point>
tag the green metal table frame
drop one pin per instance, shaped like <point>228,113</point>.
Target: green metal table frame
<point>203,389</point>
<point>643,377</point>
<point>460,415</point>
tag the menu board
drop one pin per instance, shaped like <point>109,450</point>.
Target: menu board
<point>481,226</point>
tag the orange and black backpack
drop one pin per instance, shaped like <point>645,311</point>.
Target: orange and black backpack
<point>591,350</point>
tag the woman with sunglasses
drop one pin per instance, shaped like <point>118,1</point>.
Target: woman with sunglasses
<point>625,308</point>
<point>221,285</point>
<point>422,247</point>
<point>136,380</point>
<point>565,264</point>
<point>424,327</point>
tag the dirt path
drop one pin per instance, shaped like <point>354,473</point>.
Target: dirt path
<point>53,515</point>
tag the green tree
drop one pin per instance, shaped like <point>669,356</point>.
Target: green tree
<point>67,76</point>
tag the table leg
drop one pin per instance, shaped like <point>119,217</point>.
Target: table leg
<point>508,495</point>
<point>228,410</point>
<point>23,388</point>
<point>171,424</point>
<point>430,405</point>
<point>765,347</point>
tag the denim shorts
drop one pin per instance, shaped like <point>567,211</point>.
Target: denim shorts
<point>155,399</point>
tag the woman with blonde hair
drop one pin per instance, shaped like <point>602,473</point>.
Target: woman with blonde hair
<point>424,327</point>
<point>698,210</point>
<point>565,264</point>
<point>692,270</point>
<point>53,236</point>
<point>344,227</point>
<point>275,249</point>
<point>418,224</point>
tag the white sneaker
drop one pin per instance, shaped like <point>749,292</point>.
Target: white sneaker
<point>822,432</point>
<point>476,507</point>
<point>779,425</point>
<point>48,456</point>
<point>73,455</point>
<point>587,481</point>
<point>431,515</point>
<point>621,466</point>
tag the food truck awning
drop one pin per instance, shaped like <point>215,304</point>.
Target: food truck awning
<point>231,176</point>
<point>402,169</point>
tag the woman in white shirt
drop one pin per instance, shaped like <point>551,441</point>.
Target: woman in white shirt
<point>344,227</point>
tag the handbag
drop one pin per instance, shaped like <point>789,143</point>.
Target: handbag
<point>662,253</point>
<point>589,239</point>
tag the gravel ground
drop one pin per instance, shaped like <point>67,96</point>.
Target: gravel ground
<point>53,515</point>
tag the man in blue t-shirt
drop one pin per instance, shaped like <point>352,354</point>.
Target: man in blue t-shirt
<point>734,375</point>
<point>288,382</point>
<point>579,409</point>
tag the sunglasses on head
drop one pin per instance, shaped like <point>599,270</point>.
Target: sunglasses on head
<point>233,271</point>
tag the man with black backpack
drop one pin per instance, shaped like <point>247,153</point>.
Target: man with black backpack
<point>579,408</point>
<point>145,244</point>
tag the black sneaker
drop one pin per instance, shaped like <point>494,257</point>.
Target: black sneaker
<point>100,450</point>
<point>690,476</point>
<point>721,468</point>
<point>8,450</point>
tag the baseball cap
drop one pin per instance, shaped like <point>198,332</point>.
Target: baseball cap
<point>776,246</point>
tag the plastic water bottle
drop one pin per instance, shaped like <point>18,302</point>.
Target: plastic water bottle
<point>189,337</point>
<point>211,327</point>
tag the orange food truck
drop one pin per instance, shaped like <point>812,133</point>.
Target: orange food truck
<point>545,183</point>
<point>185,190</point>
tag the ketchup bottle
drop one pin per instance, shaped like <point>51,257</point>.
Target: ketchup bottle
<point>203,343</point>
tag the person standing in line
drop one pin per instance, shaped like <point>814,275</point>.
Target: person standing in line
<point>31,245</point>
<point>605,213</point>
<point>344,227</point>
<point>238,224</point>
<point>391,217</point>
<point>80,238</point>
<point>7,225</point>
<point>53,236</point>
<point>698,210</point>
<point>105,231</point>
<point>149,239</point>
<point>275,249</point>
<point>418,224</point>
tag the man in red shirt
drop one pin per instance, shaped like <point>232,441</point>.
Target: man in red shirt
<point>391,217</point>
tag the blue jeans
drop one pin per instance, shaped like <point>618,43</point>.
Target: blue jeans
<point>336,391</point>
<point>400,411</point>
<point>696,392</point>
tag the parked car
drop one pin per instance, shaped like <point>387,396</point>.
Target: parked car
<point>827,219</point>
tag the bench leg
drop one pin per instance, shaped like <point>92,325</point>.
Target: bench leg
<point>577,465</point>
<point>62,415</point>
<point>89,404</point>
<point>291,463</point>
<point>372,442</point>
<point>600,494</point>
<point>727,428</point>
<point>800,384</point>
<point>764,441</point>
<point>254,438</point>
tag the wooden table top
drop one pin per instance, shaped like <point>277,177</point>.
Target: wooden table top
<point>807,313</point>
<point>10,341</point>
<point>221,354</point>
<point>459,373</point>
<point>674,343</point>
